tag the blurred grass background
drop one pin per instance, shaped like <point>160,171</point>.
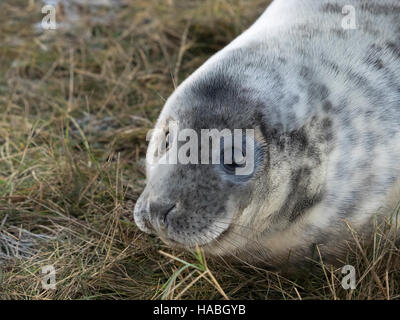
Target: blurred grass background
<point>75,106</point>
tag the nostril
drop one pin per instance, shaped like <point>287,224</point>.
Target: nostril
<point>158,215</point>
<point>164,218</point>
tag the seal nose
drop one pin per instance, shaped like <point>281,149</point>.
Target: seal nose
<point>159,215</point>
<point>142,217</point>
<point>152,216</point>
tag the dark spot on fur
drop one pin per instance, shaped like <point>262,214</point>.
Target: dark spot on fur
<point>362,82</point>
<point>299,139</point>
<point>380,9</point>
<point>332,66</point>
<point>326,124</point>
<point>298,200</point>
<point>216,87</point>
<point>370,28</point>
<point>394,48</point>
<point>331,8</point>
<point>350,207</point>
<point>318,91</point>
<point>340,33</point>
<point>306,73</point>
<point>282,60</point>
<point>329,136</point>
<point>293,101</point>
<point>327,106</point>
<point>314,153</point>
<point>373,57</point>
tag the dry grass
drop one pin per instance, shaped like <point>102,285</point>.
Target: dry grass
<point>75,106</point>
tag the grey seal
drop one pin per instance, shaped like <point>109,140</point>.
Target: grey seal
<point>322,94</point>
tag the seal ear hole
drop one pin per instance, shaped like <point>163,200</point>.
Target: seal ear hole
<point>167,140</point>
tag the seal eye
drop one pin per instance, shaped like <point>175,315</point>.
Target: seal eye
<point>231,165</point>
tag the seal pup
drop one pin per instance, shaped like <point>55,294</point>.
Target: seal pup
<point>322,95</point>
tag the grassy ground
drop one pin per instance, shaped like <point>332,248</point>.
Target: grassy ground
<point>75,106</point>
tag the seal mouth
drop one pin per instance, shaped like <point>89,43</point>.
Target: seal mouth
<point>179,245</point>
<point>168,231</point>
<point>208,244</point>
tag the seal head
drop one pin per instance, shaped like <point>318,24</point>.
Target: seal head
<point>194,202</point>
<point>325,140</point>
<point>189,203</point>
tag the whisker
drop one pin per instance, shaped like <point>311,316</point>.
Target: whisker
<point>237,246</point>
<point>239,225</point>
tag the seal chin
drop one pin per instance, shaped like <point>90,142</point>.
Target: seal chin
<point>172,243</point>
<point>188,244</point>
<point>206,238</point>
